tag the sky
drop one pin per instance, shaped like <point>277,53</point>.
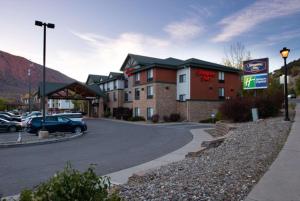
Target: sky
<point>95,36</point>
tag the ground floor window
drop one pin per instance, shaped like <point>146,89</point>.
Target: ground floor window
<point>182,97</point>
<point>136,112</point>
<point>149,113</point>
<point>221,93</point>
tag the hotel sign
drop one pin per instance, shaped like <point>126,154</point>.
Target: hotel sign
<point>205,74</point>
<point>256,74</point>
<point>256,81</point>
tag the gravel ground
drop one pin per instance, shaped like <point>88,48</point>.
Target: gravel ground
<point>225,173</point>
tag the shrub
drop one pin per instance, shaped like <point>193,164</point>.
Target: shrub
<point>155,118</point>
<point>166,118</point>
<point>70,184</point>
<point>136,118</point>
<point>238,110</point>
<point>107,113</point>
<point>174,117</point>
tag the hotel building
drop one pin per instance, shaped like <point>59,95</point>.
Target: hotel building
<point>192,88</point>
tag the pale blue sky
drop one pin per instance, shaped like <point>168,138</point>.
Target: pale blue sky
<point>94,37</point>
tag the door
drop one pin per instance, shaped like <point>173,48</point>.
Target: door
<point>64,124</point>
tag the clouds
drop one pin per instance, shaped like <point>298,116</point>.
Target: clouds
<point>257,13</point>
<point>184,30</point>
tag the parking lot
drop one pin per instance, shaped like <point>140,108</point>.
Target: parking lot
<point>111,145</point>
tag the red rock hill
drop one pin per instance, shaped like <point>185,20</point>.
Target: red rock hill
<point>14,78</point>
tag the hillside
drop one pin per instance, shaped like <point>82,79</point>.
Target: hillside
<point>14,78</point>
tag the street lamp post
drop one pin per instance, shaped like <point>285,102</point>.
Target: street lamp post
<point>51,26</point>
<point>285,53</point>
<point>29,89</point>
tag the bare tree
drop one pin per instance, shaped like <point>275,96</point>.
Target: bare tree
<point>235,56</point>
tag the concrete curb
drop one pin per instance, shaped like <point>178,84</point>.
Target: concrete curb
<point>154,124</point>
<point>49,141</point>
<point>199,135</point>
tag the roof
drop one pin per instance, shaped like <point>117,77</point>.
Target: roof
<point>53,87</point>
<point>94,79</point>
<point>205,64</point>
<point>146,61</point>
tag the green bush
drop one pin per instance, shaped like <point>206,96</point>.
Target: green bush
<point>174,117</point>
<point>136,118</point>
<point>70,184</point>
<point>107,114</point>
<point>155,118</point>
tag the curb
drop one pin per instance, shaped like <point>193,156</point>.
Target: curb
<point>155,124</point>
<point>122,176</point>
<point>15,144</point>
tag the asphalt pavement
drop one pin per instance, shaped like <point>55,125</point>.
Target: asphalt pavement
<point>113,146</point>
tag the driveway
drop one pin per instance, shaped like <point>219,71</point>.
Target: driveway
<point>113,146</point>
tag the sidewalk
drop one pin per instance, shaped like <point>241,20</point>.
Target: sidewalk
<point>282,181</point>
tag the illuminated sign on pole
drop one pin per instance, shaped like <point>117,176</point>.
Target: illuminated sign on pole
<point>256,74</point>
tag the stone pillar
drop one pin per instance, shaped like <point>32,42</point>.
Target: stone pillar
<point>101,107</point>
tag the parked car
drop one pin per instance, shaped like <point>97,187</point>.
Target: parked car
<point>9,126</point>
<point>72,116</point>
<point>27,118</point>
<point>292,96</point>
<point>10,114</point>
<point>55,124</point>
<point>9,118</point>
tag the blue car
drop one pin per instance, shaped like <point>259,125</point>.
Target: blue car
<point>55,124</point>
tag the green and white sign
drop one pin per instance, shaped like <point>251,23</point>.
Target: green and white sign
<point>255,81</point>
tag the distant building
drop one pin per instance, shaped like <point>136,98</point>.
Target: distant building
<point>58,105</point>
<point>192,88</point>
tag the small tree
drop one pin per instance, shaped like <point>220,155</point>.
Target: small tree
<point>235,56</point>
<point>3,104</point>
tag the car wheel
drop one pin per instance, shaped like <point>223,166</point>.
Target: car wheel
<point>12,129</point>
<point>77,130</point>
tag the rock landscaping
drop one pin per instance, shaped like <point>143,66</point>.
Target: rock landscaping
<point>227,172</point>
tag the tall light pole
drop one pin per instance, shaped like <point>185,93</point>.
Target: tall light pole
<point>285,53</point>
<point>29,87</point>
<point>51,26</point>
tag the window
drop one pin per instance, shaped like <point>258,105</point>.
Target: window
<point>126,96</point>
<point>149,92</point>
<point>149,75</point>
<point>136,111</point>
<point>62,119</point>
<point>221,77</point>
<point>221,93</point>
<point>115,84</point>
<point>149,113</point>
<point>115,96</point>
<point>182,78</point>
<point>137,94</point>
<point>137,78</point>
<point>182,97</point>
<point>126,83</point>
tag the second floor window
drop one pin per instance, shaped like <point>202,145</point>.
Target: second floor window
<point>137,94</point>
<point>126,96</point>
<point>150,75</point>
<point>137,77</point>
<point>115,84</point>
<point>126,83</point>
<point>182,78</point>
<point>221,76</point>
<point>149,92</point>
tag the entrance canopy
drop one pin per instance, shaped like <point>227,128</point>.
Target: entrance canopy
<point>74,91</point>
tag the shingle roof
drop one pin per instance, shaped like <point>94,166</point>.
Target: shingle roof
<point>205,64</point>
<point>52,87</point>
<point>94,79</point>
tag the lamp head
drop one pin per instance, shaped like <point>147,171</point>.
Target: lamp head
<point>38,23</point>
<point>51,26</point>
<point>285,52</point>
